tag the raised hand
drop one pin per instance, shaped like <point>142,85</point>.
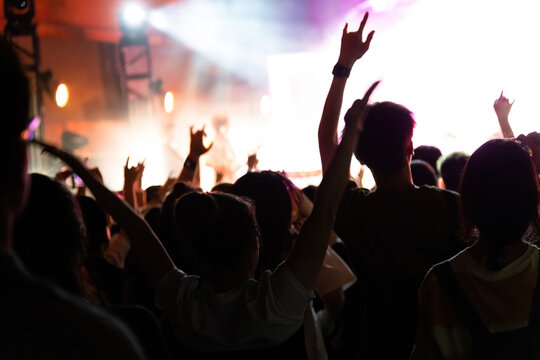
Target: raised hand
<point>133,175</point>
<point>355,116</point>
<point>252,161</point>
<point>353,47</point>
<point>196,146</point>
<point>502,106</point>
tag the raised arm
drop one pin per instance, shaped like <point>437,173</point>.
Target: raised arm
<point>502,107</point>
<point>310,248</point>
<point>132,176</point>
<point>196,150</point>
<point>149,250</point>
<point>353,47</point>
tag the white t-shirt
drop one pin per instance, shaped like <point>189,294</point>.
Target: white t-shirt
<point>255,314</point>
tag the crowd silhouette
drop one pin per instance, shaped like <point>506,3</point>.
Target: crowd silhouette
<point>437,261</point>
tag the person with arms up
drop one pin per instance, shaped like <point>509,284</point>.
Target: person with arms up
<point>394,234</point>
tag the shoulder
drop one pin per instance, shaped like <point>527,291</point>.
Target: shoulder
<point>173,283</point>
<point>62,324</point>
<point>435,193</point>
<point>283,282</point>
<point>352,189</point>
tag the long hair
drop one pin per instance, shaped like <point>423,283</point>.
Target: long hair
<point>218,226</point>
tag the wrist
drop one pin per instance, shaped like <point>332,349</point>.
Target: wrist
<point>341,71</point>
<point>346,62</point>
<point>191,162</point>
<point>193,156</point>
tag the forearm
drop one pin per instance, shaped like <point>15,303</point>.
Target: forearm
<point>310,247</point>
<point>129,195</point>
<point>328,127</point>
<point>149,250</point>
<point>187,174</point>
<point>505,127</point>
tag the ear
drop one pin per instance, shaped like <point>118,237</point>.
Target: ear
<point>409,150</point>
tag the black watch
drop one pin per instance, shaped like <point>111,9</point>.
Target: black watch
<point>190,164</point>
<point>341,71</point>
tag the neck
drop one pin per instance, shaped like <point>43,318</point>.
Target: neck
<point>512,251</point>
<point>399,180</point>
<point>225,279</point>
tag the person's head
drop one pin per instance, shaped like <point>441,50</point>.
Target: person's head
<point>221,228</point>
<point>276,203</point>
<point>222,187</point>
<point>451,169</point>
<point>14,102</point>
<point>167,228</point>
<point>385,144</point>
<point>49,235</point>
<point>96,223</point>
<point>428,153</point>
<point>153,194</point>
<point>422,173</point>
<point>499,192</point>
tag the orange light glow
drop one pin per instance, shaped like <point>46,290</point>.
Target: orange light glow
<point>168,102</point>
<point>62,95</point>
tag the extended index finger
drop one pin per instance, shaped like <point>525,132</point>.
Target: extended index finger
<point>363,22</point>
<point>369,91</point>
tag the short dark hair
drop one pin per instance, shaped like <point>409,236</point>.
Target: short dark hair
<point>451,169</point>
<point>388,130</point>
<point>428,153</point>
<point>422,173</point>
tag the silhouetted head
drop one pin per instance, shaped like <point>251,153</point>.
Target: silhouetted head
<point>221,228</point>
<point>499,191</point>
<point>274,196</point>
<point>96,223</point>
<point>428,153</point>
<point>223,187</point>
<point>385,144</point>
<point>451,169</point>
<point>167,228</point>
<point>14,117</point>
<point>153,194</point>
<point>422,173</point>
<point>49,234</point>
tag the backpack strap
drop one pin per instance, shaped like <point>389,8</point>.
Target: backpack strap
<point>461,304</point>
<point>534,317</point>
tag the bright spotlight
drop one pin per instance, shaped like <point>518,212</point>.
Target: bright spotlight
<point>62,95</point>
<point>168,102</point>
<point>133,17</point>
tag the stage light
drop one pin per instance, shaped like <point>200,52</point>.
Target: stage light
<point>19,4</point>
<point>62,95</point>
<point>133,17</point>
<point>168,102</point>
